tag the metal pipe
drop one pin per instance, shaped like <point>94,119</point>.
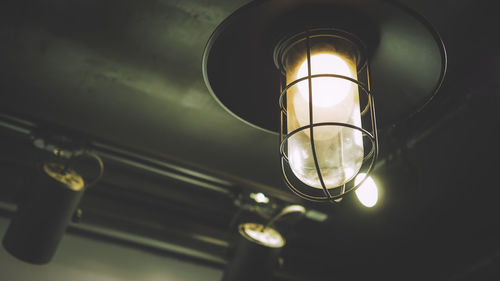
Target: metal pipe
<point>215,181</point>
<point>121,237</point>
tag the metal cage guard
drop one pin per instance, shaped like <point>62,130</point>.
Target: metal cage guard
<point>368,158</point>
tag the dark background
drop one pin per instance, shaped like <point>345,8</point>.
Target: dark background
<point>127,75</point>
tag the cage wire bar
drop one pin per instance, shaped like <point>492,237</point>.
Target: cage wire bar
<point>369,156</point>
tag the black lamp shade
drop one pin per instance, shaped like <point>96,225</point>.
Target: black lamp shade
<point>42,217</point>
<point>406,55</point>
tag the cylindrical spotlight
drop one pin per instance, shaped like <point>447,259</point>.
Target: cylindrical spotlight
<point>256,253</point>
<point>42,217</point>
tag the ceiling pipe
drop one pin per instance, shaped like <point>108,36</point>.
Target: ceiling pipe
<point>215,181</point>
<point>129,239</point>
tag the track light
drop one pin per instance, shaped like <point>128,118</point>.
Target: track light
<point>256,254</point>
<point>42,216</point>
<point>257,249</point>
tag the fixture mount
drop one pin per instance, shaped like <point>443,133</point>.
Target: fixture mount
<point>325,65</point>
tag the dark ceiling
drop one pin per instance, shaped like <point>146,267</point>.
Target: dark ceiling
<point>124,79</point>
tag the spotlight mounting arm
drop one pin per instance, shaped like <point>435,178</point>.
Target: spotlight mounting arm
<point>64,148</point>
<point>287,210</point>
<point>58,145</point>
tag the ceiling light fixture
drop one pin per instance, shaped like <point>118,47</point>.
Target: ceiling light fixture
<point>258,247</point>
<point>256,253</point>
<point>265,235</point>
<point>324,56</point>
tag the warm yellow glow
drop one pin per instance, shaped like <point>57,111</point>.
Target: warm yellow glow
<point>327,91</point>
<point>367,193</point>
<point>339,149</point>
<point>265,236</point>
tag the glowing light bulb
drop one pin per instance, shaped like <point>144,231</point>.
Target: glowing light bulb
<point>261,234</point>
<point>339,149</point>
<point>367,193</point>
<point>324,87</point>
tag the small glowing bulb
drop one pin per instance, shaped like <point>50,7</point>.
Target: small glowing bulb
<point>261,234</point>
<point>367,193</point>
<point>259,197</point>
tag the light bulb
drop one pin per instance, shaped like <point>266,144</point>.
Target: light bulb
<point>261,234</point>
<point>367,193</point>
<point>339,149</point>
<point>324,86</point>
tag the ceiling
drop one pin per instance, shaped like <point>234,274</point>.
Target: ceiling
<point>125,80</point>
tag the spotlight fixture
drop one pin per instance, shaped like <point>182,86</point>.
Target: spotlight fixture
<point>266,235</point>
<point>256,253</point>
<point>324,64</point>
<point>41,218</point>
<point>257,249</point>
